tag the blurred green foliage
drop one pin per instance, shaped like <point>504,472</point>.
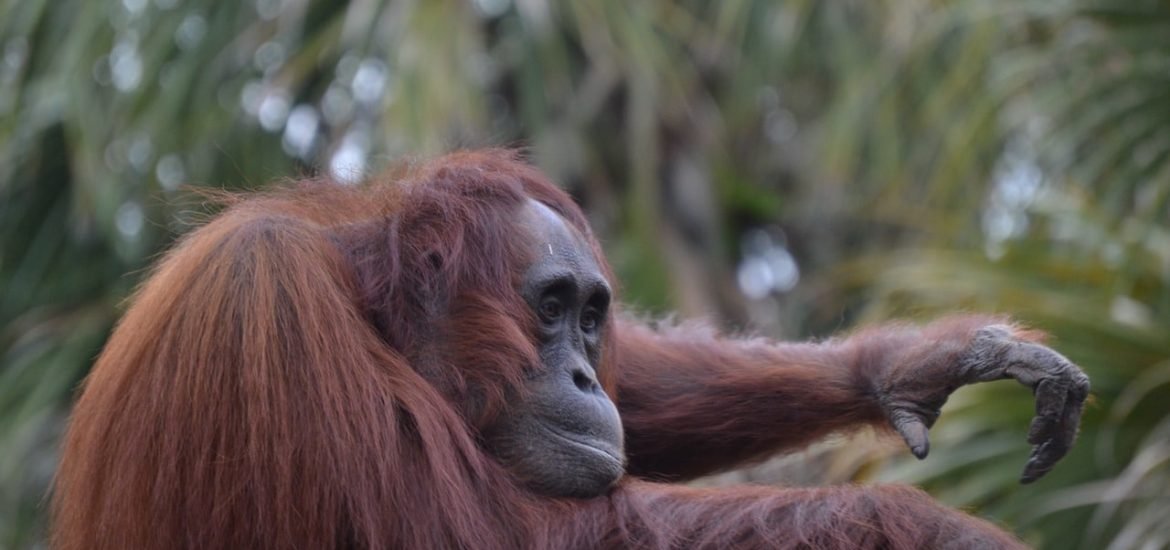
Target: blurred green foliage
<point>909,158</point>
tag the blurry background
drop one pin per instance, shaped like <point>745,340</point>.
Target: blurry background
<point>790,167</point>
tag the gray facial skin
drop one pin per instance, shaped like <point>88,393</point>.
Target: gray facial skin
<point>565,438</point>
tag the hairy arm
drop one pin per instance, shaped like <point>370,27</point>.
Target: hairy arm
<point>653,515</point>
<point>693,402</point>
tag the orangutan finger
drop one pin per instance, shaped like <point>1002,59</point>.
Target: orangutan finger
<point>1051,395</point>
<point>1057,440</point>
<point>913,431</point>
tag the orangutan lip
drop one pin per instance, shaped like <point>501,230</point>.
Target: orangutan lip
<point>591,444</point>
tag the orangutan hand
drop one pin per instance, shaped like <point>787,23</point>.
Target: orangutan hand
<point>912,393</point>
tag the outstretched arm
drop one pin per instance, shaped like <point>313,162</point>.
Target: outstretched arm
<point>693,402</point>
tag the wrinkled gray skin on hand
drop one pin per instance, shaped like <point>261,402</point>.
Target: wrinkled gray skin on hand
<point>995,353</point>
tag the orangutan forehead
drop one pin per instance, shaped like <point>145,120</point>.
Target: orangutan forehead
<point>551,236</point>
<point>550,228</point>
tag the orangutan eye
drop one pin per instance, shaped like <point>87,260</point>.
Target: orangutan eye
<point>590,319</point>
<point>551,310</point>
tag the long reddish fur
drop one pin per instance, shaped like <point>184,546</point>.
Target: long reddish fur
<point>292,375</point>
